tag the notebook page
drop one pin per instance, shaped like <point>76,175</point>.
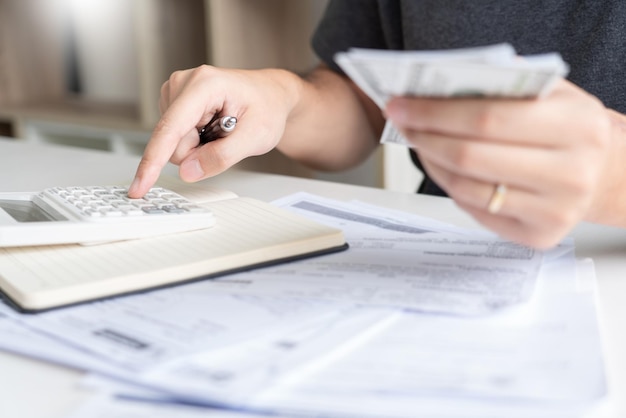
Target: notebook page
<point>247,232</point>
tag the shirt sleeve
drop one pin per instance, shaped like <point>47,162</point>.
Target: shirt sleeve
<point>346,24</point>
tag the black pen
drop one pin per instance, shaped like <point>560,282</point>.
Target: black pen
<point>217,128</point>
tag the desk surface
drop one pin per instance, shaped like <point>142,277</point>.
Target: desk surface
<point>30,388</point>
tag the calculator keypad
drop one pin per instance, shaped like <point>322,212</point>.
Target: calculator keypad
<point>113,202</point>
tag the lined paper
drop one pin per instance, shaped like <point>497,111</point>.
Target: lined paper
<point>247,232</point>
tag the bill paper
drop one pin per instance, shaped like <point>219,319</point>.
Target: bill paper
<point>492,71</point>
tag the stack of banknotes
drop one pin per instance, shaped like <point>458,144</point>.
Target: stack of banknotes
<point>491,71</point>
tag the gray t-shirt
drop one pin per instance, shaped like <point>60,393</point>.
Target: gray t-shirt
<point>589,34</point>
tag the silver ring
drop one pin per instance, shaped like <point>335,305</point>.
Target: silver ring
<point>497,198</point>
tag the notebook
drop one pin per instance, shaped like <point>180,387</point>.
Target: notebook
<point>248,233</point>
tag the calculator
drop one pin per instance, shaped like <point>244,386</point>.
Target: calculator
<point>95,214</point>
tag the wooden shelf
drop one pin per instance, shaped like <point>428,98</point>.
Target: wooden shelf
<point>124,116</point>
<point>167,35</point>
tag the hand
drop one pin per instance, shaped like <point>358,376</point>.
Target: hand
<point>261,100</point>
<point>550,153</point>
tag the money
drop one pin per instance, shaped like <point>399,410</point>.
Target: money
<point>491,71</point>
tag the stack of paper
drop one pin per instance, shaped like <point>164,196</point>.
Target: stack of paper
<point>418,318</point>
<point>493,71</point>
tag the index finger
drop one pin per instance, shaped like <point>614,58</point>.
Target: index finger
<point>181,117</point>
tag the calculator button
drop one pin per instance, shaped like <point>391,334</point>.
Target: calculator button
<point>173,209</point>
<point>113,201</point>
<point>152,210</point>
<point>92,213</point>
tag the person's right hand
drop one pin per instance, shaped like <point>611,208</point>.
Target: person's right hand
<point>261,100</point>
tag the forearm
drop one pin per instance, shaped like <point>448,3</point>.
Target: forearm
<point>333,125</point>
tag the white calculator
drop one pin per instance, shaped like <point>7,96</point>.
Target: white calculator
<point>95,214</point>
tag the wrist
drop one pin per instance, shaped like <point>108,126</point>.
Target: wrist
<point>609,205</point>
<point>289,85</point>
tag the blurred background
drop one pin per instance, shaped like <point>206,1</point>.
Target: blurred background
<point>87,73</point>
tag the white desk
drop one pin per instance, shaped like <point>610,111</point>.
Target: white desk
<point>33,389</point>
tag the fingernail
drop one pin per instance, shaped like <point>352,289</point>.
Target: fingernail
<point>134,186</point>
<point>191,170</point>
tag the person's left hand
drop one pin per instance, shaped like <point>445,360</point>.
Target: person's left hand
<point>549,154</point>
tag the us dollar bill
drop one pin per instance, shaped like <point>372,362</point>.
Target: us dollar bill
<point>492,71</point>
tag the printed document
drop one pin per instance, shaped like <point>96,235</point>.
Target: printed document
<point>400,264</point>
<point>355,336</point>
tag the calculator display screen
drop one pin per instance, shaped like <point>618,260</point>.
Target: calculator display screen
<point>25,211</point>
